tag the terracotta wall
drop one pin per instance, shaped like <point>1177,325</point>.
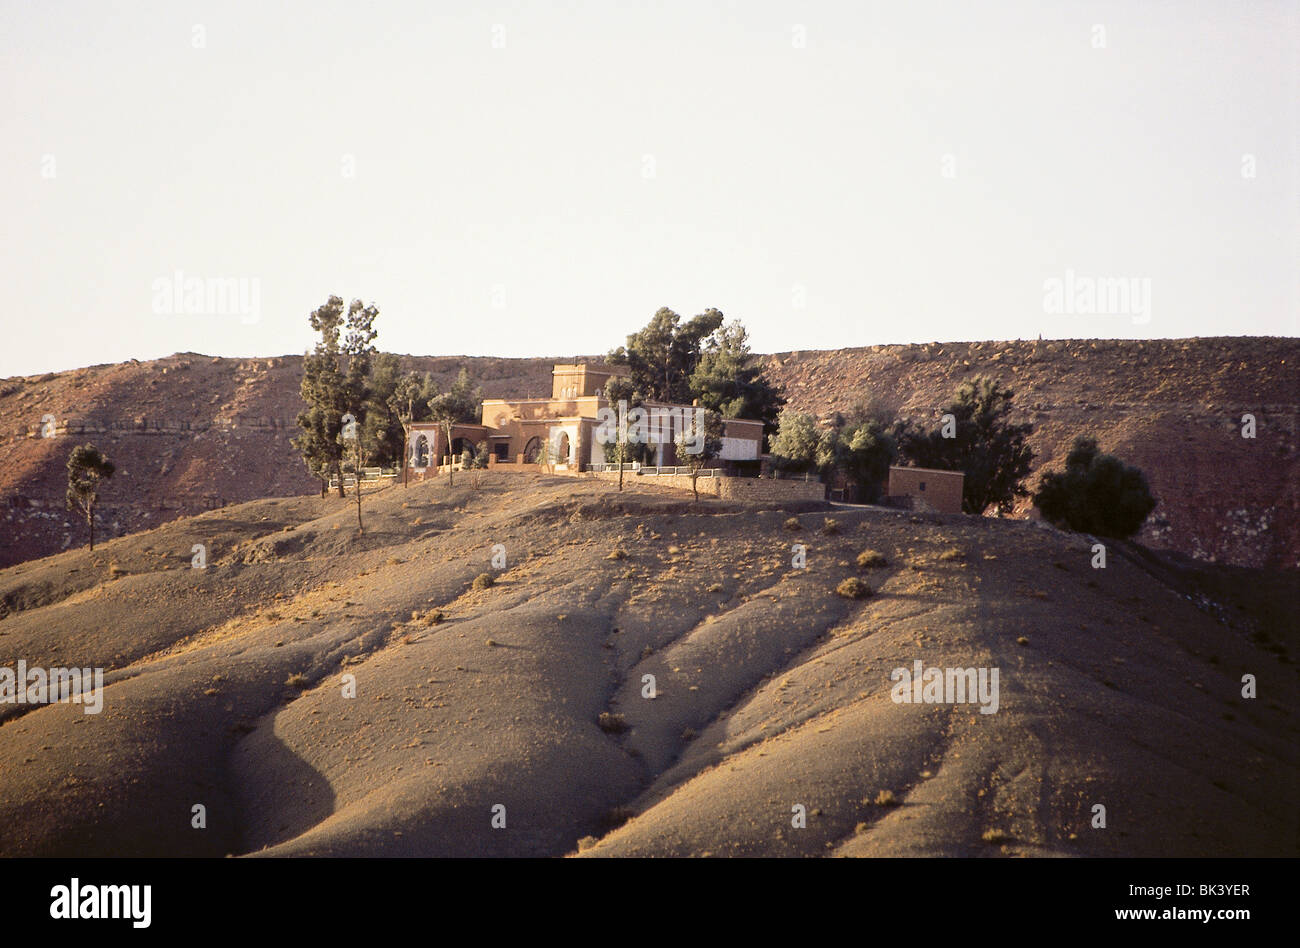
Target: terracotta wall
<point>941,490</point>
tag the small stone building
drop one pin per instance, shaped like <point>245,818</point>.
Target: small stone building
<point>926,489</point>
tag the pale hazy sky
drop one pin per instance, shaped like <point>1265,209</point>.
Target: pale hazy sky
<point>538,178</point>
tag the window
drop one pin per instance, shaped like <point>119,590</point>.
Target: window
<point>922,485</point>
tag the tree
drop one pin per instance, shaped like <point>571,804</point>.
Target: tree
<point>1097,493</point>
<point>334,384</point>
<point>460,403</point>
<point>544,455</point>
<point>474,460</point>
<point>727,379</point>
<point>864,450</point>
<point>664,354</point>
<point>354,442</point>
<point>322,391</point>
<point>613,437</point>
<point>466,398</point>
<point>87,469</point>
<point>409,403</point>
<point>699,443</point>
<point>979,441</point>
<point>795,445</point>
<point>861,447</point>
<point>383,429</point>
<point>444,412</point>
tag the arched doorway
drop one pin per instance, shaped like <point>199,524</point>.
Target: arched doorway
<point>532,449</point>
<point>562,448</point>
<point>463,446</point>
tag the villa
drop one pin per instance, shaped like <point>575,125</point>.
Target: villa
<point>514,429</point>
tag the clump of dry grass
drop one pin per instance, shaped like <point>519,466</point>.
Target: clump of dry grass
<point>611,722</point>
<point>952,554</point>
<point>853,588</point>
<point>995,835</point>
<point>886,798</point>
<point>617,555</point>
<point>484,581</point>
<point>297,680</point>
<point>831,527</point>
<point>871,559</point>
<point>587,842</point>
<point>793,524</point>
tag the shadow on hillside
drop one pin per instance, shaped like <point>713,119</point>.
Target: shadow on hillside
<point>280,795</point>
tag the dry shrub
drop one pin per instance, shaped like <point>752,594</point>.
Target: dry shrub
<point>853,588</point>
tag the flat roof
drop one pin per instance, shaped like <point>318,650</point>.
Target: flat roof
<point>926,470</point>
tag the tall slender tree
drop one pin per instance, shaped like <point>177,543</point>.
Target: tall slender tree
<point>87,469</point>
<point>699,443</point>
<point>409,403</point>
<point>615,445</point>
<point>334,383</point>
<point>729,380</point>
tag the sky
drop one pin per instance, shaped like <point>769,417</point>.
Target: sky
<point>537,179</point>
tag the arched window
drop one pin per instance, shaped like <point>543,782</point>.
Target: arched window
<point>420,452</point>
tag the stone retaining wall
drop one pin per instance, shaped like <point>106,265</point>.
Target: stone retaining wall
<point>725,488</point>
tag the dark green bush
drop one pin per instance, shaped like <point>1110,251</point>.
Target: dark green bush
<point>1097,494</point>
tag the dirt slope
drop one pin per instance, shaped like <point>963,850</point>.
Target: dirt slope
<point>1118,686</point>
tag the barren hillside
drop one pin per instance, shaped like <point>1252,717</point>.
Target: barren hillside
<point>191,432</point>
<point>1173,407</point>
<point>226,686</point>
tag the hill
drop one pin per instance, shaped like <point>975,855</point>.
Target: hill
<point>190,432</point>
<point>225,686</point>
<point>1173,407</point>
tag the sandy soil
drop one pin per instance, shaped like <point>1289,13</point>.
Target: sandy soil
<point>225,686</point>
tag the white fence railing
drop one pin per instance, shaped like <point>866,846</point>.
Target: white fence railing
<point>369,475</point>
